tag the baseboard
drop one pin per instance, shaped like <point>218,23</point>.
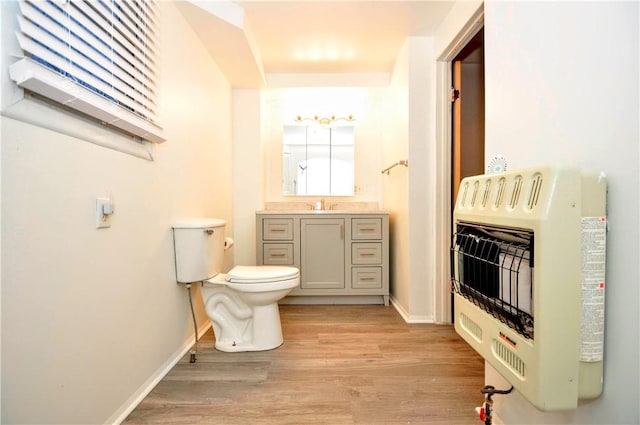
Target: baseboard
<point>408,317</point>
<point>137,397</point>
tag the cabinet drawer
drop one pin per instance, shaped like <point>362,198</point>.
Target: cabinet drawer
<point>366,228</point>
<point>366,253</point>
<point>277,254</point>
<point>366,277</point>
<point>277,229</point>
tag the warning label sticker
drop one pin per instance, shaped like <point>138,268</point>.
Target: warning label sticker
<point>594,234</point>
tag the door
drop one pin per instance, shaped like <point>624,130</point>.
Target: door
<point>322,253</point>
<point>467,113</point>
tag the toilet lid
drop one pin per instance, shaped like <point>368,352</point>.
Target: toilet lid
<point>260,274</point>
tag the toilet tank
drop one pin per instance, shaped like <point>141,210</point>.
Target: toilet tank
<point>199,249</point>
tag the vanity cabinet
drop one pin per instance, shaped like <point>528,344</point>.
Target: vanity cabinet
<point>342,257</point>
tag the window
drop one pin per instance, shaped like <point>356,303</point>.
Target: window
<point>97,57</point>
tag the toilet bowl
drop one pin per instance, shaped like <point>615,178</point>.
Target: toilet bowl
<point>243,306</point>
<point>243,303</point>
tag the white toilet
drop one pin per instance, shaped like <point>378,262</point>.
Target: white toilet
<point>242,304</point>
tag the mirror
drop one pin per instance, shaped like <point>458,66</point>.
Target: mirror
<point>318,160</point>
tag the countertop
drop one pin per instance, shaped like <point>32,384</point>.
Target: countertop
<point>321,212</point>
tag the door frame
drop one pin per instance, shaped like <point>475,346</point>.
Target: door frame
<point>443,307</point>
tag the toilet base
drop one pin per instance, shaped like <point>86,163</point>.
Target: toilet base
<point>262,332</point>
<point>245,316</point>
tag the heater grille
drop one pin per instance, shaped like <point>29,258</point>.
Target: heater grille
<point>499,193</point>
<point>491,193</point>
<point>510,359</point>
<point>475,193</point>
<point>485,193</point>
<point>470,326</point>
<point>535,186</point>
<point>494,272</point>
<point>515,193</point>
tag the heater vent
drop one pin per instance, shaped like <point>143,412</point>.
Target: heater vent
<point>535,186</point>
<point>471,327</point>
<point>485,193</point>
<point>510,359</point>
<point>515,194</point>
<point>476,184</point>
<point>463,198</point>
<point>500,193</point>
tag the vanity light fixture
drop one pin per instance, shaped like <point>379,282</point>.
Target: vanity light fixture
<point>325,120</point>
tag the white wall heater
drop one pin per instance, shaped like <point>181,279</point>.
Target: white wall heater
<point>528,274</point>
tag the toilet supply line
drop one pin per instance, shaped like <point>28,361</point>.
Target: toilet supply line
<point>194,350</point>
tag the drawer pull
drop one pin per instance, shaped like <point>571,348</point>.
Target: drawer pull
<point>277,255</point>
<point>367,278</point>
<point>277,230</point>
<point>367,229</point>
<point>366,254</point>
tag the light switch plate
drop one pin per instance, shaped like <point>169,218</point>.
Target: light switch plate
<point>103,220</point>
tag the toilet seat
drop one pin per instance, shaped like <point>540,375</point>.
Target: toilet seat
<point>257,278</point>
<point>261,274</point>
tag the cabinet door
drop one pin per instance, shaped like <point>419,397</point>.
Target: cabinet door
<point>322,252</point>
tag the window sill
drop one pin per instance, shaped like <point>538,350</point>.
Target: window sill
<point>42,114</point>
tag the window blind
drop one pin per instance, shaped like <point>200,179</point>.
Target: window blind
<point>98,57</point>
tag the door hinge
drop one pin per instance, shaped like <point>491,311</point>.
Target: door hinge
<point>454,94</point>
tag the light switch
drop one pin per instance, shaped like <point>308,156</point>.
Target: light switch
<point>104,210</point>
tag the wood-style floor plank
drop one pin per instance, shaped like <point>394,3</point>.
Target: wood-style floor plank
<point>339,364</point>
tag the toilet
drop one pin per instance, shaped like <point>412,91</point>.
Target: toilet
<point>243,303</point>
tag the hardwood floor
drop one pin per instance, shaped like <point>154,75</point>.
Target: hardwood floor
<point>338,365</point>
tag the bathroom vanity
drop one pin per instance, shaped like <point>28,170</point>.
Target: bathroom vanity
<point>343,256</point>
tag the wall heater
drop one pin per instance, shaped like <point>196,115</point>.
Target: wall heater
<point>528,273</point>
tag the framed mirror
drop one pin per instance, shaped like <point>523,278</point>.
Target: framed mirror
<point>318,160</point>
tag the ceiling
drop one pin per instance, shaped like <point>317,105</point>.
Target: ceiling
<point>264,39</point>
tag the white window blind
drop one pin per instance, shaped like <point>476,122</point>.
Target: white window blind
<point>96,56</point>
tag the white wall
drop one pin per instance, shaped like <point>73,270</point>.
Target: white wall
<point>90,317</point>
<point>409,193</point>
<point>562,86</point>
<point>248,172</point>
<point>395,186</point>
<point>422,163</point>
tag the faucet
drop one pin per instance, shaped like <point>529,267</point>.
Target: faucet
<point>317,206</point>
<point>322,205</point>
